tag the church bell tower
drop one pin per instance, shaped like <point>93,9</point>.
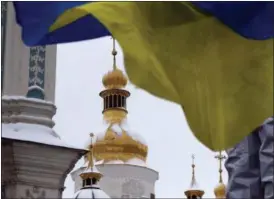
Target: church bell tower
<point>120,154</point>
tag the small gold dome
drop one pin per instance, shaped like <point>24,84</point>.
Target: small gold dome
<point>220,190</point>
<point>119,146</point>
<point>114,79</point>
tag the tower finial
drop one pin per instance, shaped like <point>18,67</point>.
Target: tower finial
<point>220,158</point>
<point>193,167</point>
<point>220,189</point>
<point>91,171</point>
<point>114,79</point>
<point>90,154</point>
<point>114,53</point>
<point>193,191</point>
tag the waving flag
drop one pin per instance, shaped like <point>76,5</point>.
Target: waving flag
<point>214,58</point>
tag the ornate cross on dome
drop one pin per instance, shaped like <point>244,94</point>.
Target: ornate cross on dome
<point>220,158</point>
<point>193,180</point>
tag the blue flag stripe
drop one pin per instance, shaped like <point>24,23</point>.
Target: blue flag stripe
<point>37,17</point>
<point>253,20</point>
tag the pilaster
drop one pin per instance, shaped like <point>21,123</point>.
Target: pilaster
<point>16,57</point>
<point>25,71</point>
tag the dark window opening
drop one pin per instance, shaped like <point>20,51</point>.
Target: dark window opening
<point>94,180</point>
<point>110,101</point>
<point>88,182</point>
<point>123,101</point>
<point>107,101</point>
<point>115,101</point>
<point>119,101</point>
<point>125,104</point>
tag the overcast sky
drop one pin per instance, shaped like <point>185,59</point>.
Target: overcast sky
<point>80,67</point>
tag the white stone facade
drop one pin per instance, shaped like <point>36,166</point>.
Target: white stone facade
<point>123,180</point>
<point>16,63</point>
<point>35,161</point>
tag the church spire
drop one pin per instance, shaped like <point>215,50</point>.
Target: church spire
<point>118,143</point>
<point>220,188</point>
<point>193,179</point>
<point>194,192</point>
<point>91,175</point>
<point>114,53</point>
<point>114,95</point>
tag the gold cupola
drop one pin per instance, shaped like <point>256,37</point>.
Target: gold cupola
<point>194,192</point>
<point>220,189</point>
<point>114,79</point>
<point>90,173</point>
<point>90,179</point>
<point>117,144</point>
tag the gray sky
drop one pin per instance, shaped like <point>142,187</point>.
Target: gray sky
<point>80,67</point>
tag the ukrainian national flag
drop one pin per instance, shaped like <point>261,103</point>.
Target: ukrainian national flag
<point>214,58</point>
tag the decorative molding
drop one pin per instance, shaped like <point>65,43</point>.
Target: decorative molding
<point>34,164</point>
<point>37,64</point>
<point>34,193</point>
<point>4,9</point>
<point>28,111</point>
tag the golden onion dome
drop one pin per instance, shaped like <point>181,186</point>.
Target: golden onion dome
<point>114,79</point>
<point>117,144</point>
<point>220,190</point>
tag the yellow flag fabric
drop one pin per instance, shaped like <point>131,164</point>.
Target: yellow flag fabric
<point>176,52</point>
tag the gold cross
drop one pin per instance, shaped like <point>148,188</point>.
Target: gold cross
<point>220,158</point>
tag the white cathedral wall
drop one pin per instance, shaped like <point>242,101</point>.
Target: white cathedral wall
<point>122,180</point>
<point>16,57</point>
<point>17,61</point>
<point>32,169</point>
